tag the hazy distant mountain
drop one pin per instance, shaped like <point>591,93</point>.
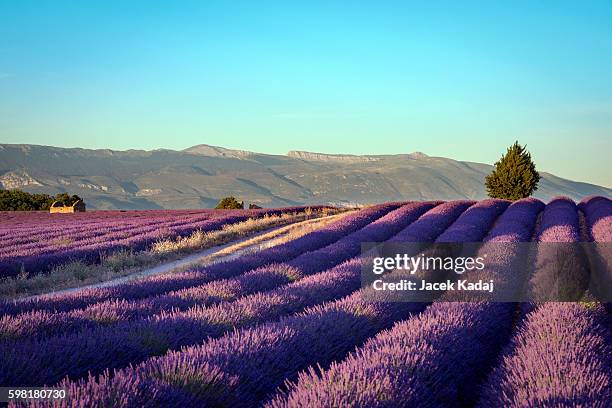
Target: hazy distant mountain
<point>200,175</point>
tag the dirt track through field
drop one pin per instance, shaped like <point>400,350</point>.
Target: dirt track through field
<point>205,257</point>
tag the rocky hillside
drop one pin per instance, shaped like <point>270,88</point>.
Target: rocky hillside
<point>200,175</point>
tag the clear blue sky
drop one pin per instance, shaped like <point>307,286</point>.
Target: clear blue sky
<point>455,79</point>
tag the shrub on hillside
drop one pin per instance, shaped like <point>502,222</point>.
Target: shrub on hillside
<point>514,176</point>
<point>230,203</point>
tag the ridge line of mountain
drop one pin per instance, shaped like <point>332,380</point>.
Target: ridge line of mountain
<point>200,175</point>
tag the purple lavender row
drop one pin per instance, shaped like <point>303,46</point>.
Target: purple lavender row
<point>37,218</point>
<point>81,230</point>
<point>23,255</point>
<point>89,250</point>
<point>45,323</point>
<point>379,231</point>
<point>598,213</point>
<point>91,253</point>
<point>242,368</point>
<point>37,362</point>
<point>560,357</point>
<point>562,271</point>
<point>161,284</point>
<point>598,216</point>
<point>561,354</point>
<point>560,222</point>
<point>42,218</point>
<point>32,221</point>
<point>41,243</point>
<point>434,359</point>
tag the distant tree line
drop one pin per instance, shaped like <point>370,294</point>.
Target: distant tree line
<point>17,200</point>
<point>231,203</point>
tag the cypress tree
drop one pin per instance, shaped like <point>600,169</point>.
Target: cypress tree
<point>514,176</point>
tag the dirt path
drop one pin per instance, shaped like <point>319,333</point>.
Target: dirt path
<point>205,257</point>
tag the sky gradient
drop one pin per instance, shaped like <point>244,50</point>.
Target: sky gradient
<point>455,79</point>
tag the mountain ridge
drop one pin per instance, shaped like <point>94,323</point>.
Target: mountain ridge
<point>200,175</point>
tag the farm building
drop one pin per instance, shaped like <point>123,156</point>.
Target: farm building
<point>59,207</point>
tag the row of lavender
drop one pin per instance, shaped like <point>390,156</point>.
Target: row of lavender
<point>61,237</point>
<point>40,218</point>
<point>75,225</point>
<point>445,347</point>
<point>78,228</point>
<point>44,250</point>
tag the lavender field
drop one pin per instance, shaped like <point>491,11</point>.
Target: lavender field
<point>36,242</point>
<point>290,325</point>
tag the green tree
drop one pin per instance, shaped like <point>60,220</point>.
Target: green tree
<point>514,176</point>
<point>230,203</point>
<point>67,199</point>
<point>42,201</point>
<point>17,200</point>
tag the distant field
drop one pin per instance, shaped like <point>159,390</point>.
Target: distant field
<point>34,242</point>
<point>289,325</point>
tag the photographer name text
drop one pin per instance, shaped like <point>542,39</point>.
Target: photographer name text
<point>459,285</point>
